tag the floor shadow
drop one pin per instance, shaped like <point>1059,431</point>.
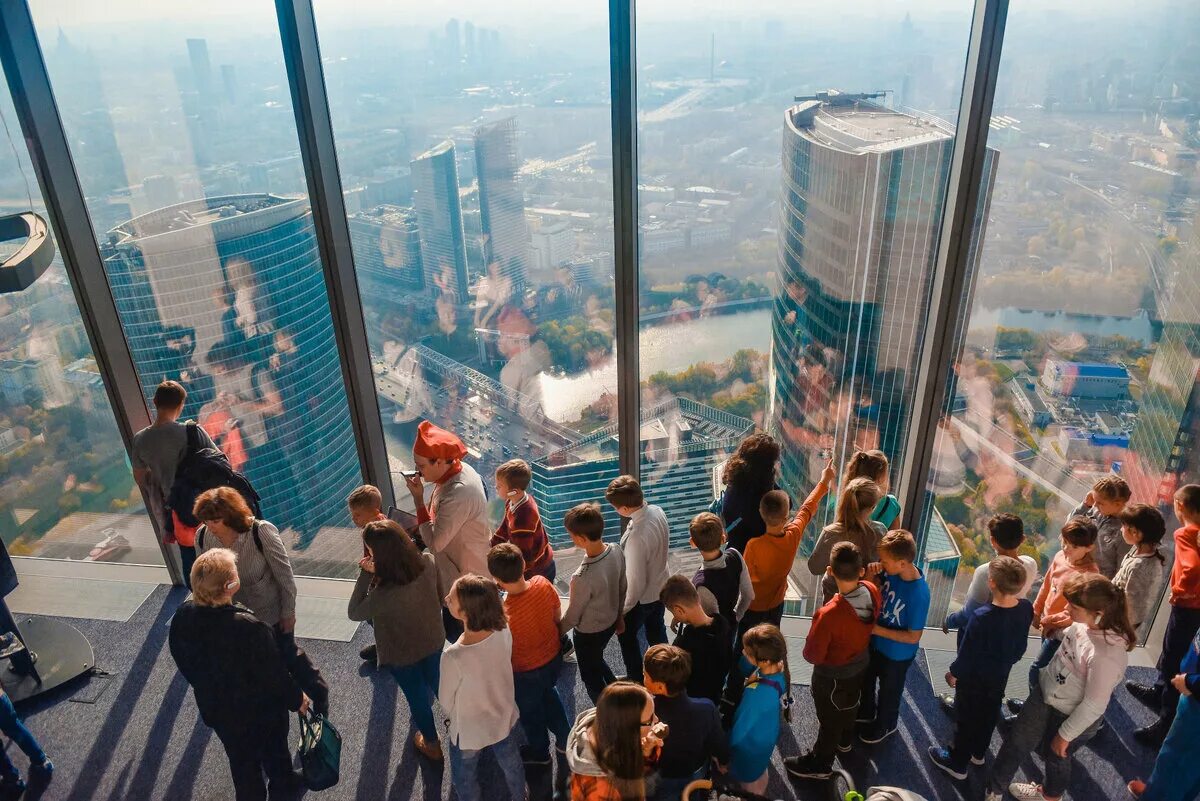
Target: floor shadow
<point>377,747</point>
<point>146,775</point>
<point>183,781</point>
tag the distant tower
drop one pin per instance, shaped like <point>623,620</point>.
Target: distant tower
<point>201,68</point>
<point>453,42</point>
<point>712,58</point>
<point>439,220</point>
<point>229,83</point>
<point>501,201</point>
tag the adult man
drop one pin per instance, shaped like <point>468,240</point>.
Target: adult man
<point>157,451</point>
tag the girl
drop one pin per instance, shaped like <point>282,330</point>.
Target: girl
<point>397,591</point>
<point>873,464</point>
<point>478,698</point>
<point>1067,703</point>
<point>612,746</point>
<point>756,721</point>
<point>1141,572</point>
<point>852,523</point>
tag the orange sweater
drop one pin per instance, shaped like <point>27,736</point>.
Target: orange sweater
<point>1050,600</point>
<point>770,557</point>
<point>1185,573</point>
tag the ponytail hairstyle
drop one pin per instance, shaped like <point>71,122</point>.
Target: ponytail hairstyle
<point>855,506</point>
<point>1097,594</point>
<point>765,643</point>
<point>871,464</point>
<point>617,737</point>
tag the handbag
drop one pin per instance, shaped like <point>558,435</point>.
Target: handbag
<point>320,752</point>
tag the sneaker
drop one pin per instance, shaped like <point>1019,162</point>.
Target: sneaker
<point>940,758</point>
<point>978,760</point>
<point>1014,704</point>
<point>875,734</point>
<point>1136,788</point>
<point>1026,791</point>
<point>864,721</point>
<point>1152,735</point>
<point>806,766</point>
<point>430,750</point>
<point>1148,694</point>
<point>947,702</point>
<point>369,654</point>
<point>846,744</point>
<point>43,768</point>
<point>992,795</point>
<point>568,655</point>
<point>12,788</point>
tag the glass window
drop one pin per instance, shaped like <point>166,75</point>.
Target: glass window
<point>1080,348</point>
<point>185,142</point>
<point>66,488</point>
<point>475,155</point>
<point>793,167</point>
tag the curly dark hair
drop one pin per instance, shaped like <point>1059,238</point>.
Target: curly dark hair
<point>753,463</point>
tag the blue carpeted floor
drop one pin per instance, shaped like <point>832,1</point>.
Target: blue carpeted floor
<point>141,738</point>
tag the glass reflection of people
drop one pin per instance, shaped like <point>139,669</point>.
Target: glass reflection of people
<point>527,358</point>
<point>178,364</point>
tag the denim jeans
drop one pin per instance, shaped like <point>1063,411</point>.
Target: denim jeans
<point>650,616</point>
<point>888,675</point>
<point>419,683</point>
<point>1037,722</point>
<point>15,730</point>
<point>1050,647</point>
<point>541,708</point>
<point>594,671</point>
<point>977,710</point>
<point>1176,775</point>
<point>464,769</point>
<point>672,789</point>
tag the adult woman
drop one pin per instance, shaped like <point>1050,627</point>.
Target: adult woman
<point>612,745</point>
<point>242,687</point>
<point>267,586</point>
<point>397,591</point>
<point>749,475</point>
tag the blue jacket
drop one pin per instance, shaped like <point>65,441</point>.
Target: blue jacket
<point>755,725</point>
<point>1191,666</point>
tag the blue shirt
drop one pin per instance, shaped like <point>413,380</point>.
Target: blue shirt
<point>905,608</point>
<point>755,726</point>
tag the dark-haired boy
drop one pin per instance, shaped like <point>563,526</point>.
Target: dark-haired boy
<point>993,640</point>
<point>707,639</point>
<point>596,596</point>
<point>695,736</point>
<point>837,646</point>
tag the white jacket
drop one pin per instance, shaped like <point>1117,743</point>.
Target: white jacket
<point>458,535</point>
<point>1080,679</point>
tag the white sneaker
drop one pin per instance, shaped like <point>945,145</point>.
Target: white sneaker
<point>1026,791</point>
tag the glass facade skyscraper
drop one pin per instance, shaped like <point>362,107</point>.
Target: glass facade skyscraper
<point>227,296</point>
<point>440,222</point>
<point>501,202</point>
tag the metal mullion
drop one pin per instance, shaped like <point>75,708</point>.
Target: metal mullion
<point>623,76</point>
<point>318,151</point>
<point>950,282</point>
<point>49,150</point>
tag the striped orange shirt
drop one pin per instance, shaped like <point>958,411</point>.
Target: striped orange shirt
<point>533,619</point>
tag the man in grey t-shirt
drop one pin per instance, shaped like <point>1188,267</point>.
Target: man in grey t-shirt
<point>157,451</point>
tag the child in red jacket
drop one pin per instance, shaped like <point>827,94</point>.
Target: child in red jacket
<point>837,646</point>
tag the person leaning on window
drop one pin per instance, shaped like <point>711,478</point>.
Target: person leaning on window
<point>242,687</point>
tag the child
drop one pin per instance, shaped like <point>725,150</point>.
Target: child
<point>873,464</point>
<point>756,722</point>
<point>1067,703</point>
<point>694,734</point>
<point>644,544</point>
<point>1176,775</point>
<point>770,557</point>
<point>707,640</point>
<point>522,525</point>
<point>837,646</point>
<point>533,612</point>
<point>722,580</point>
<point>40,766</point>
<point>366,506</point>
<point>1103,507</point>
<point>993,640</point>
<point>894,639</point>
<point>596,596</point>
<point>1184,620</point>
<point>852,523</point>
<point>1141,573</point>
<point>476,697</point>
<point>614,745</point>
<point>1074,558</point>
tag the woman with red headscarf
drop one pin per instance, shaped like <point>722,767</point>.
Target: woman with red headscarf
<point>454,523</point>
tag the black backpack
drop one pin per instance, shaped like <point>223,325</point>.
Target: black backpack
<point>203,469</point>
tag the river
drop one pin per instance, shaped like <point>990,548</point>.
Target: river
<point>672,347</point>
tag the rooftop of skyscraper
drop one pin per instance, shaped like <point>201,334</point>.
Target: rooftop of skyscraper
<point>854,125</point>
<point>436,150</point>
<point>205,212</point>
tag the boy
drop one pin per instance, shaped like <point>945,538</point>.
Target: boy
<point>694,735</point>
<point>1183,623</point>
<point>722,580</point>
<point>1076,556</point>
<point>706,639</point>
<point>533,613</point>
<point>644,545</point>
<point>1103,506</point>
<point>993,639</point>
<point>366,506</point>
<point>895,637</point>
<point>837,646</point>
<point>522,525</point>
<point>597,593</point>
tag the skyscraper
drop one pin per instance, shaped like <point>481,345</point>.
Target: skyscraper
<point>861,206</point>
<point>439,220</point>
<point>387,248</point>
<point>201,68</point>
<point>501,200</point>
<point>227,295</point>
